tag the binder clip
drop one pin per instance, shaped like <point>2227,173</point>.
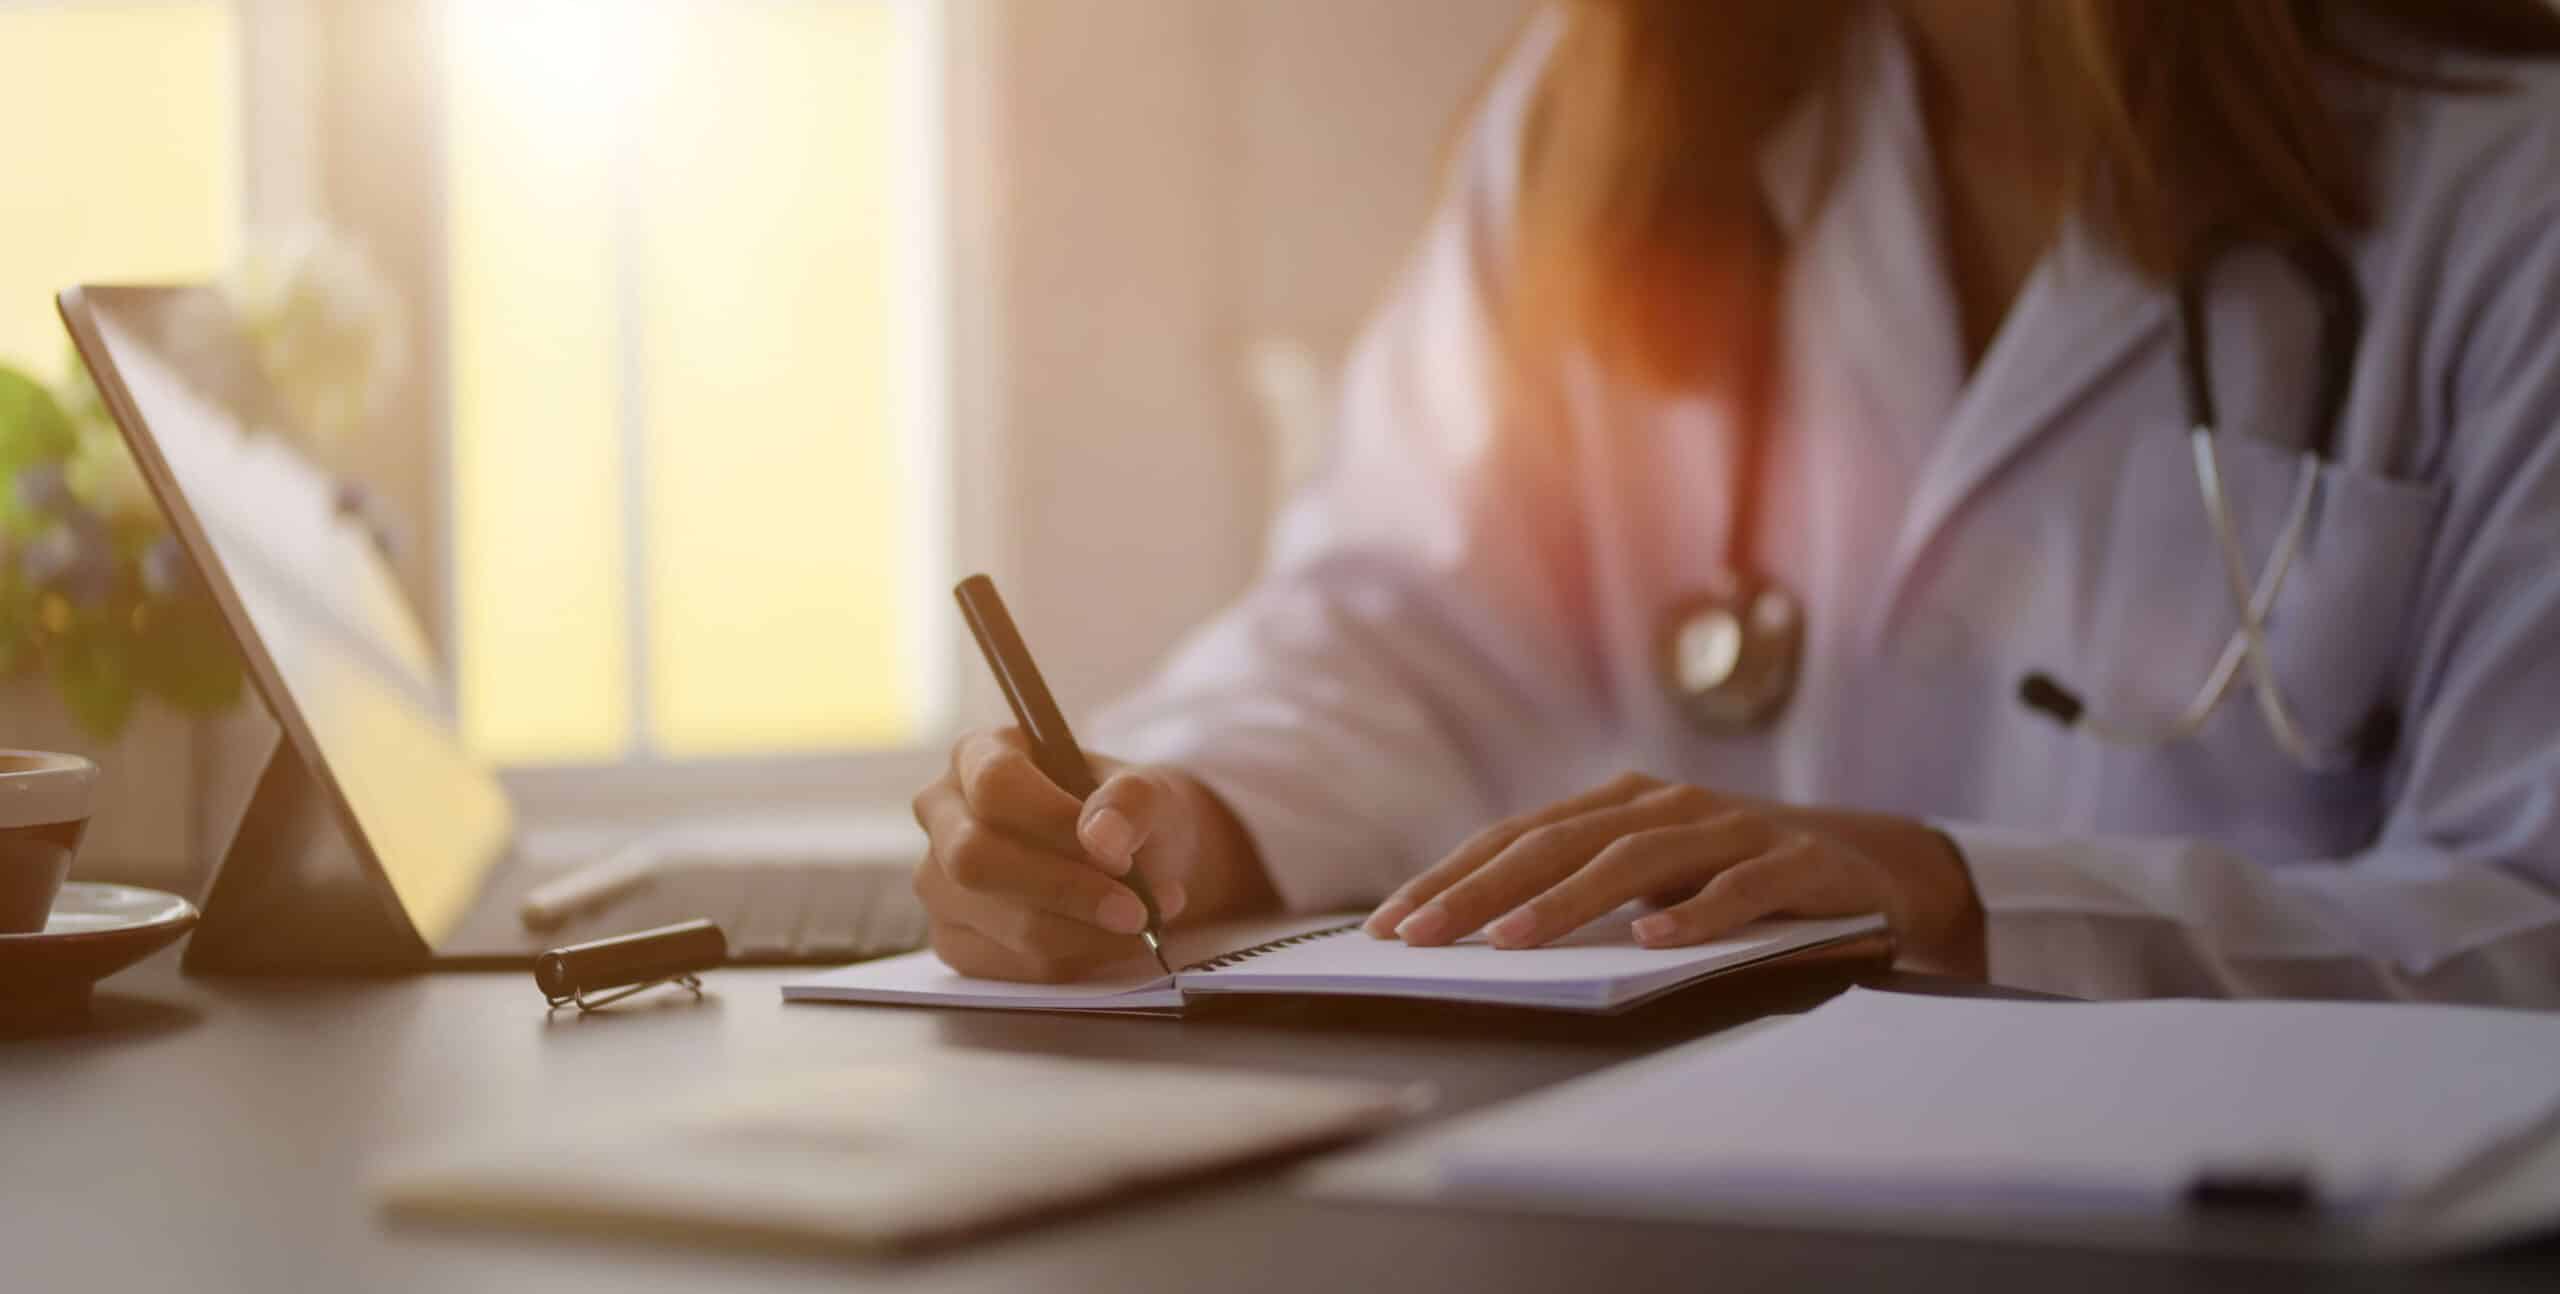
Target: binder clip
<point>601,972</point>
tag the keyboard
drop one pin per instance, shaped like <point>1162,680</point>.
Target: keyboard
<point>772,909</point>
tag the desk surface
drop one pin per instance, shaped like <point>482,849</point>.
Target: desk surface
<point>214,1134</point>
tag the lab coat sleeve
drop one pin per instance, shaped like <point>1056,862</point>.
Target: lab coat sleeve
<point>1355,708</point>
<point>2458,899</point>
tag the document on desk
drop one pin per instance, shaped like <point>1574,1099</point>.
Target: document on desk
<point>1989,1115</point>
<point>888,1155</point>
<point>1599,968</point>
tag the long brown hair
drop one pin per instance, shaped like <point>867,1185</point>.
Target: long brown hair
<point>1640,219</point>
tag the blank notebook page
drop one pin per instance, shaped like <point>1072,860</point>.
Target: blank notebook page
<point>1599,967</point>
<point>921,979</point>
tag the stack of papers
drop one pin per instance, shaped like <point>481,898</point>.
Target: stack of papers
<point>1977,1114</point>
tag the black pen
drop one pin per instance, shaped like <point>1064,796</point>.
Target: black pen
<point>1053,748</point>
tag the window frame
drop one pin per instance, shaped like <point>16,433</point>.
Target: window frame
<point>961,529</point>
<point>280,113</point>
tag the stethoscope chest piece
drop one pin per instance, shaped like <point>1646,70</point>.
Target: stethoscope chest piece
<point>1728,654</point>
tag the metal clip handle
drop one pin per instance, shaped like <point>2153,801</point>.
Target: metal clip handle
<point>586,1004</point>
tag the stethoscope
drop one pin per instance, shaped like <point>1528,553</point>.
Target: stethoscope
<point>1729,653</point>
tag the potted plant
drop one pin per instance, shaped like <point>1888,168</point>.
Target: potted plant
<point>110,644</point>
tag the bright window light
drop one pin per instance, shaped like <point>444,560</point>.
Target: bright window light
<point>696,429</point>
<point>124,156</point>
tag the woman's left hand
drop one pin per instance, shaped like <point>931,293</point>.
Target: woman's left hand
<point>1711,862</point>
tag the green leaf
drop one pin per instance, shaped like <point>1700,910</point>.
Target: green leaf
<point>33,427</point>
<point>78,394</point>
<point>184,656</point>
<point>94,685</point>
<point>17,619</point>
<point>102,474</point>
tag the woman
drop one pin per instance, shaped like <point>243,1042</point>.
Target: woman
<point>1883,290</point>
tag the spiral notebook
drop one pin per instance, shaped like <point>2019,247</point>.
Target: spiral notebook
<point>1599,968</point>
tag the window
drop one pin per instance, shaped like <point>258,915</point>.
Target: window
<point>124,155</point>
<point>697,453</point>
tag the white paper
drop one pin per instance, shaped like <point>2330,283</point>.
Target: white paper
<point>922,979</point>
<point>1599,967</point>
<point>1895,1101</point>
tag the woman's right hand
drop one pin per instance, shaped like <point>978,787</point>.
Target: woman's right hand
<point>1024,883</point>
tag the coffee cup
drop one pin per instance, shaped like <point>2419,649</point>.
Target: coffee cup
<point>44,808</point>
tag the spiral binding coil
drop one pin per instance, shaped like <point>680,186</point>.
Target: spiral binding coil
<point>1228,960</point>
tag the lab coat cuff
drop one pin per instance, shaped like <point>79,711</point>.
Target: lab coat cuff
<point>1302,854</point>
<point>2021,871</point>
<point>1313,863</point>
<point>2036,908</point>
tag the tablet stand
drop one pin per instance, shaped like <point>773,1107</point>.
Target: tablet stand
<point>293,894</point>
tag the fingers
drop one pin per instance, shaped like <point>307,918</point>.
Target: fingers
<point>1004,908</point>
<point>1040,945</point>
<point>972,952</point>
<point>1135,809</point>
<point>1020,878</point>
<point>1135,817</point>
<point>1525,868</point>
<point>1487,844</point>
<point>973,866</point>
<point>1798,876</point>
<point>1005,789</point>
<point>1633,866</point>
<point>1714,861</point>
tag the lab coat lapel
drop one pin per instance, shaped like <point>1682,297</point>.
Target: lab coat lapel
<point>1873,304</point>
<point>2082,315</point>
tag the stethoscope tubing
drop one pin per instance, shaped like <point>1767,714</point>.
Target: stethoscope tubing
<point>2247,643</point>
<point>2341,306</point>
<point>2253,619</point>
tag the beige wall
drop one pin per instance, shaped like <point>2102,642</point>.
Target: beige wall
<point>1347,107</point>
<point>1183,179</point>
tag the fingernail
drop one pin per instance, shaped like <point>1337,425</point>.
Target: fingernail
<point>1122,913</point>
<point>1382,923</point>
<point>1657,926</point>
<point>1423,926</point>
<point>1112,838</point>
<point>1171,899</point>
<point>1514,929</point>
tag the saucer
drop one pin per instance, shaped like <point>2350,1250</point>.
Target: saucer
<point>94,931</point>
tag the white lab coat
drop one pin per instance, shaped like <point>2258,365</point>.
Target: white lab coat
<point>1458,616</point>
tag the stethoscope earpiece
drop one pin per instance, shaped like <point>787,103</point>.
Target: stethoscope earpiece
<point>2038,692</point>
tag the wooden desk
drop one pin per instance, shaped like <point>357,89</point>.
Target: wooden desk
<point>214,1134</point>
